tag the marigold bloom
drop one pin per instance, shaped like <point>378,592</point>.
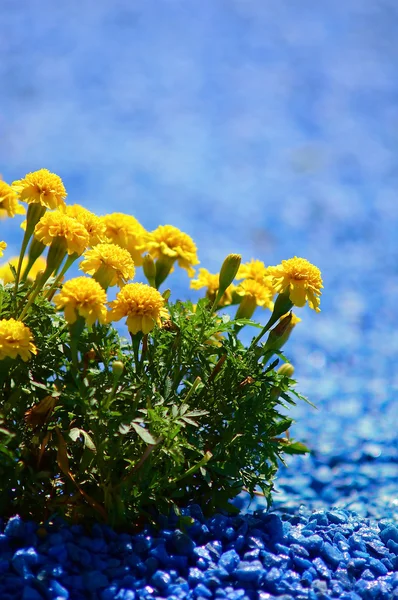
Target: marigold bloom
<point>9,205</point>
<point>94,225</point>
<point>82,296</point>
<point>6,275</point>
<point>112,263</point>
<point>255,269</point>
<point>3,246</point>
<point>260,292</point>
<point>58,225</point>
<point>126,232</point>
<point>141,304</point>
<point>300,278</point>
<point>210,281</point>
<point>172,243</point>
<point>41,187</point>
<point>16,339</point>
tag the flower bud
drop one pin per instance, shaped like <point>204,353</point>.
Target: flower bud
<point>149,268</point>
<point>228,271</point>
<point>286,369</point>
<point>117,368</point>
<point>279,335</point>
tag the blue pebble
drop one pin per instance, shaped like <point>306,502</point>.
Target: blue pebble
<point>23,561</point>
<point>182,543</point>
<point>230,534</point>
<point>302,563</point>
<point>29,593</point>
<point>331,554</point>
<point>252,555</point>
<point>214,548</point>
<point>368,575</point>
<point>57,590</point>
<point>161,579</point>
<point>249,571</point>
<point>337,517</point>
<point>202,591</point>
<point>321,568</point>
<point>313,543</point>
<point>389,533</point>
<point>124,594</point>
<point>15,527</point>
<point>60,552</point>
<point>229,560</point>
<point>377,567</point>
<point>195,576</point>
<point>109,593</point>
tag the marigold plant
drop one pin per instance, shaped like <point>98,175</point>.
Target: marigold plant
<point>118,410</point>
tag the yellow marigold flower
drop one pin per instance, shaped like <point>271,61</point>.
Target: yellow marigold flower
<point>41,187</point>
<point>210,281</point>
<point>94,225</point>
<point>82,296</point>
<point>6,275</point>
<point>15,340</point>
<point>255,269</point>
<point>126,232</point>
<point>141,304</point>
<point>111,264</point>
<point>260,292</point>
<point>3,246</point>
<point>58,225</point>
<point>300,278</point>
<point>9,205</point>
<point>168,241</point>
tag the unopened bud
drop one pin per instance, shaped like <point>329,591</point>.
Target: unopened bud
<point>286,369</point>
<point>149,268</point>
<point>228,271</point>
<point>117,368</point>
<point>279,335</point>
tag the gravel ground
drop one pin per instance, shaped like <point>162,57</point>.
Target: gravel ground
<point>263,128</point>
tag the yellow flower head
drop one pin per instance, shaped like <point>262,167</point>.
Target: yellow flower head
<point>141,304</point>
<point>9,205</point>
<point>15,340</point>
<point>169,241</point>
<point>94,225</point>
<point>300,278</point>
<point>6,275</point>
<point>41,187</point>
<point>113,264</point>
<point>211,282</point>
<point>260,292</point>
<point>3,246</point>
<point>126,232</point>
<point>255,269</point>
<point>82,296</point>
<point>58,225</point>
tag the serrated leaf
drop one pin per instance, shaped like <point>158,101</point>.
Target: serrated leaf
<point>280,427</point>
<point>143,433</point>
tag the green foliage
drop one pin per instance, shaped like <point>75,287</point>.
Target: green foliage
<point>194,416</point>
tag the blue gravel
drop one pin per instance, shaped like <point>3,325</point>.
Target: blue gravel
<point>268,128</point>
<point>312,555</point>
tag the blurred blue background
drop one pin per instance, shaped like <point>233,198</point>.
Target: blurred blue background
<point>264,128</point>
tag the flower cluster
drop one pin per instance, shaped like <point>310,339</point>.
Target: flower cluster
<point>123,403</point>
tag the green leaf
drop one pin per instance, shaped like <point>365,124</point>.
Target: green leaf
<point>280,427</point>
<point>75,433</point>
<point>296,448</point>
<point>144,434</point>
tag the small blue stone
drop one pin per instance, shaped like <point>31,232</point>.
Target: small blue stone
<point>321,568</point>
<point>367,575</point>
<point>214,548</point>
<point>307,578</point>
<point>252,555</point>
<point>331,554</point>
<point>124,594</point>
<point>202,590</point>
<point>23,560</point>
<point>377,567</point>
<point>302,563</point>
<point>29,593</point>
<point>182,543</point>
<point>15,527</point>
<point>230,534</point>
<point>336,517</point>
<point>57,590</point>
<point>161,579</point>
<point>195,576</point>
<point>313,543</point>
<point>320,517</point>
<point>249,571</point>
<point>109,593</point>
<point>389,533</point>
<point>229,560</point>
